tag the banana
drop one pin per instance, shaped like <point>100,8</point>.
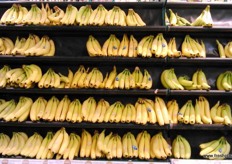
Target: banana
<point>201,79</point>
<point>133,19</point>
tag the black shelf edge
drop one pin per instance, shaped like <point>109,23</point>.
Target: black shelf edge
<point>48,91</point>
<point>199,127</point>
<point>200,5</point>
<point>85,125</point>
<point>200,61</point>
<point>199,92</point>
<point>224,29</point>
<point>82,59</point>
<point>77,28</point>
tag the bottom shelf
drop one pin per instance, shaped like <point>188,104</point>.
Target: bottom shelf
<point>36,161</point>
<point>172,161</point>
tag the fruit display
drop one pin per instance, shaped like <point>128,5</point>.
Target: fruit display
<point>217,149</point>
<point>62,145</point>
<point>30,75</point>
<point>181,148</point>
<point>200,113</point>
<point>223,81</point>
<point>144,110</point>
<point>83,16</point>
<point>224,52</point>
<point>204,19</point>
<point>31,46</point>
<point>170,81</point>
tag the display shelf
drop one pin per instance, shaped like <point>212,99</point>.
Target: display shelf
<point>201,161</point>
<point>77,28</point>
<point>53,91</point>
<point>36,161</point>
<point>81,60</point>
<point>85,125</point>
<point>200,127</point>
<point>210,61</point>
<point>198,5</point>
<point>189,29</point>
<point>199,92</point>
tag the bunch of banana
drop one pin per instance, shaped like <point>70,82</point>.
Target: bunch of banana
<point>224,81</point>
<point>37,109</point>
<point>221,114</point>
<point>65,81</point>
<point>95,151</point>
<point>32,146</point>
<point>187,113</point>
<point>130,148</point>
<point>159,46</point>
<point>144,48</point>
<point>56,16</point>
<point>128,114</point>
<point>88,109</point>
<point>59,143</point>
<point>19,112</point>
<point>113,114</point>
<point>200,81</point>
<point>45,12</point>
<point>116,17</point>
<point>133,19</point>
<point>169,80</point>
<point>204,19</point>
<point>4,141</point>
<point>99,113</point>
<point>225,52</point>
<point>34,46</point>
<point>78,77</point>
<point>74,111</point>
<point>124,80</point>
<point>187,83</point>
<point>14,15</point>
<point>83,15</point>
<point>159,148</point>
<point>93,79</point>
<point>173,108</point>
<point>6,107</point>
<point>202,111</point>
<point>133,46</point>
<point>69,17</point>
<point>97,17</point>
<point>176,20</point>
<point>62,109</point>
<point>43,151</point>
<point>6,46</point>
<point>86,144</point>
<point>145,112</point>
<point>161,111</point>
<point>217,149</point>
<point>3,80</point>
<point>73,147</point>
<point>193,48</point>
<point>110,145</point>
<point>144,145</point>
<point>48,113</point>
<point>181,148</point>
<point>111,46</point>
<point>51,79</point>
<point>172,49</point>
<point>93,47</point>
<point>15,145</point>
<point>33,16</point>
<point>26,76</point>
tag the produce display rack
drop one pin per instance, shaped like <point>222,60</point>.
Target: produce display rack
<point>71,52</point>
